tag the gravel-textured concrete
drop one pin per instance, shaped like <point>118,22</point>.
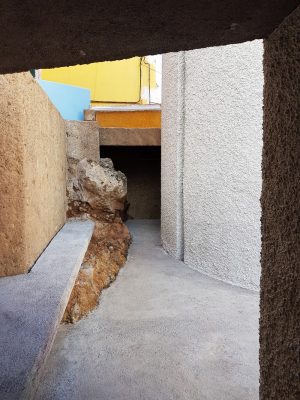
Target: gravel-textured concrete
<point>32,306</point>
<point>162,331</point>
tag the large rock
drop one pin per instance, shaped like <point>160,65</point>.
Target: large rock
<point>96,189</point>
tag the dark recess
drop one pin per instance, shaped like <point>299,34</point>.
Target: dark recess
<point>141,165</point>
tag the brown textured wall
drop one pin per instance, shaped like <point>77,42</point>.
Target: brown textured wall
<point>32,172</point>
<point>280,281</point>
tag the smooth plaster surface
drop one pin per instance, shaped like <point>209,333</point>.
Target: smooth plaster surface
<point>32,172</point>
<point>280,257</point>
<point>60,33</point>
<point>220,156</point>
<point>162,331</point>
<point>70,101</point>
<point>32,306</point>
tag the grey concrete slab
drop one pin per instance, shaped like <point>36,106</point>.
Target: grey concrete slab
<point>162,331</point>
<point>31,308</point>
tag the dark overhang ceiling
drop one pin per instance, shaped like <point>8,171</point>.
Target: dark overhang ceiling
<point>39,33</point>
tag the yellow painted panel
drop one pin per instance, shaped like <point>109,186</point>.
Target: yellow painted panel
<point>118,81</point>
<point>148,73</point>
<point>109,82</point>
<point>115,81</point>
<point>79,75</point>
<point>130,119</point>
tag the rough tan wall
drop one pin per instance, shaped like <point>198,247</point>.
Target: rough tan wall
<point>32,172</point>
<point>280,257</point>
<point>83,140</point>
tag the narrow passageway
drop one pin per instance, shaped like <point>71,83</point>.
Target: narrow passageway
<point>162,331</point>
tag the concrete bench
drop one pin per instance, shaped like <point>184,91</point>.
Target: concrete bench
<point>32,306</point>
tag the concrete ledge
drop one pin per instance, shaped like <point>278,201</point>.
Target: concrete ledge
<point>32,307</point>
<point>89,115</point>
<point>129,136</point>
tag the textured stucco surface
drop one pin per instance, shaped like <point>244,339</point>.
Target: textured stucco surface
<point>59,33</point>
<point>172,133</point>
<point>32,172</point>
<point>221,171</point>
<point>280,282</point>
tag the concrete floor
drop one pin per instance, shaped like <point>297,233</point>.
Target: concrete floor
<point>162,332</point>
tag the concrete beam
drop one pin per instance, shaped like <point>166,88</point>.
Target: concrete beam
<point>32,307</point>
<point>89,31</point>
<point>89,115</point>
<point>129,136</point>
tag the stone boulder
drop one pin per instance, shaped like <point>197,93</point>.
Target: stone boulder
<point>96,189</point>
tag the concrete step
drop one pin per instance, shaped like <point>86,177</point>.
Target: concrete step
<point>32,306</point>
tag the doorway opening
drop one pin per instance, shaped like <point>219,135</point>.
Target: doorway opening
<point>141,165</point>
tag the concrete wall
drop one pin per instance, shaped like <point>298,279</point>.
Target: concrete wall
<point>83,140</point>
<point>32,172</point>
<point>172,150</point>
<point>211,146</point>
<point>129,136</point>
<point>280,258</point>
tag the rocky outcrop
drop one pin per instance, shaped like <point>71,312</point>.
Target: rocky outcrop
<point>105,256</point>
<point>97,191</point>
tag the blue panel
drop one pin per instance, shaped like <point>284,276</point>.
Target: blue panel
<point>69,100</point>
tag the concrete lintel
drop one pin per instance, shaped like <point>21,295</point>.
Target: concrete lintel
<point>32,307</point>
<point>89,115</point>
<point>127,108</point>
<point>129,136</point>
<point>101,34</point>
